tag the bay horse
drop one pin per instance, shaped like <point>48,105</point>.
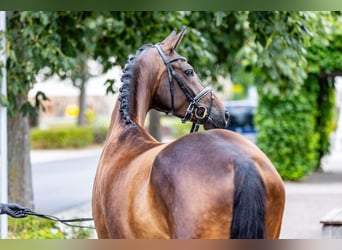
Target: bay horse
<point>213,184</point>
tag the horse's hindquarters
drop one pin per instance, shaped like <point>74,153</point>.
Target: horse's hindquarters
<point>200,179</point>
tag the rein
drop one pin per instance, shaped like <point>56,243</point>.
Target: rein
<point>201,113</point>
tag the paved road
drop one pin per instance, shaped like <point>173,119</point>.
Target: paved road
<point>62,180</point>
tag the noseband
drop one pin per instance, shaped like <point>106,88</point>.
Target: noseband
<point>201,112</point>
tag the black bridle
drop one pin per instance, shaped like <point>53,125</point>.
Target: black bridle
<point>201,112</point>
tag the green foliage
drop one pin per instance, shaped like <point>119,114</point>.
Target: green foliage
<point>324,55</point>
<point>3,100</point>
<point>275,54</point>
<point>34,228</point>
<point>294,118</point>
<point>220,43</point>
<point>37,228</point>
<point>286,133</point>
<point>32,44</point>
<point>215,39</point>
<point>324,62</point>
<point>69,137</point>
<point>324,105</point>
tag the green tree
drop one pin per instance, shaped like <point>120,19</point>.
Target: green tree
<point>31,45</point>
<point>35,41</point>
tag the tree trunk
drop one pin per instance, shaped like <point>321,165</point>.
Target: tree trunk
<point>82,103</point>
<point>81,121</point>
<point>19,161</point>
<point>154,126</point>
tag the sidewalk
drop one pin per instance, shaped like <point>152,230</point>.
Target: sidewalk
<point>309,200</point>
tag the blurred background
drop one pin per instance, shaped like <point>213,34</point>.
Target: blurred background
<point>277,72</point>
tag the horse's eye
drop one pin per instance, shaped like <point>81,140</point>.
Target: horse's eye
<point>189,72</point>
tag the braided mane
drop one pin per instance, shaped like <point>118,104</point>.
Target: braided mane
<point>126,88</point>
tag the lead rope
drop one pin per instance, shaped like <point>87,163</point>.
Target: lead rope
<point>65,222</point>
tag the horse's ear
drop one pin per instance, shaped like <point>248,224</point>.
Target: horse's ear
<point>172,41</point>
<point>172,34</point>
<point>179,37</point>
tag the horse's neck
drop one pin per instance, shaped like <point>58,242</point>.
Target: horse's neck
<point>140,96</point>
<point>127,122</point>
<point>128,141</point>
<point>132,131</point>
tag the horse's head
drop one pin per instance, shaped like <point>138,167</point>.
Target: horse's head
<point>180,90</point>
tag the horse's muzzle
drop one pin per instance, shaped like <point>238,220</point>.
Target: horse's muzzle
<point>217,120</point>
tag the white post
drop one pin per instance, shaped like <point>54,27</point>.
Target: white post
<point>338,136</point>
<point>3,129</point>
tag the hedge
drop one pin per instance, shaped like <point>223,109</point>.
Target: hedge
<point>67,137</point>
<point>286,133</point>
<point>294,129</point>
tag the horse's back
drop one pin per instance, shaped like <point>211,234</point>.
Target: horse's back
<point>193,178</point>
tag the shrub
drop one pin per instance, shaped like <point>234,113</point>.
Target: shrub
<point>69,137</point>
<point>286,133</point>
<point>33,228</point>
<point>37,228</point>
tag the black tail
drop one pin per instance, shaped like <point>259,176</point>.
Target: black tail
<point>249,202</point>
